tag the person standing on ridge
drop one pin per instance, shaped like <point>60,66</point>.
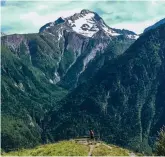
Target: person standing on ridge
<point>91,134</point>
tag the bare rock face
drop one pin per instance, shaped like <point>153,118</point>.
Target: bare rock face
<point>69,48</point>
<point>87,23</point>
<point>13,41</point>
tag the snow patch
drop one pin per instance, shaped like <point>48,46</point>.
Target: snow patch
<point>15,84</point>
<point>51,81</point>
<point>52,24</point>
<point>87,25</point>
<point>20,86</point>
<point>60,34</point>
<point>57,77</point>
<point>31,124</point>
<point>110,31</point>
<point>133,36</point>
<point>85,20</point>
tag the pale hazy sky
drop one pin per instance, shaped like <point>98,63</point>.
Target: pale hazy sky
<point>28,16</point>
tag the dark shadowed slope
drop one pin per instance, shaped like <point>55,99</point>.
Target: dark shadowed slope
<point>157,24</point>
<point>125,102</point>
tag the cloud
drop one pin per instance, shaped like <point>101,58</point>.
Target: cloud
<point>136,27</point>
<point>38,20</point>
<point>42,7</point>
<point>29,16</point>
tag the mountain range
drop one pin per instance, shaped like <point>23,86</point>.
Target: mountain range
<point>78,74</point>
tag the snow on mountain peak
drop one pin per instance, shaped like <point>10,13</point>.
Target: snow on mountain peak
<point>86,23</point>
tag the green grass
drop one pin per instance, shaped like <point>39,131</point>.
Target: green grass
<point>71,148</point>
<point>109,150</point>
<point>63,148</point>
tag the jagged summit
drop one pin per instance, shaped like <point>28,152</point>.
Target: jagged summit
<point>86,23</point>
<point>85,11</point>
<point>60,20</point>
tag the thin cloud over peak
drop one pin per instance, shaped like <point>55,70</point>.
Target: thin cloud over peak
<point>29,16</point>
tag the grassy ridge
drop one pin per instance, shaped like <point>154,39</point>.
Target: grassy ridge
<point>105,150</point>
<point>71,148</point>
<point>64,148</point>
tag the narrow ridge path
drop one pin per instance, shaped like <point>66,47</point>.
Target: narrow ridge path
<point>93,144</point>
<point>91,150</point>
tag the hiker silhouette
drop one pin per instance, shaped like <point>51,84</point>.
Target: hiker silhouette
<point>91,133</point>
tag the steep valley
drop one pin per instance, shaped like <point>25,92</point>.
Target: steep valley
<point>69,78</point>
<point>38,70</point>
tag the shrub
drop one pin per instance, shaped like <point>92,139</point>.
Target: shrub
<point>160,144</point>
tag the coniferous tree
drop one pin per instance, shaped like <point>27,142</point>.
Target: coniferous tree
<point>160,144</point>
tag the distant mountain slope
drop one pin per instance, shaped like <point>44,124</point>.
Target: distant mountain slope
<point>157,24</point>
<point>124,102</point>
<point>39,69</point>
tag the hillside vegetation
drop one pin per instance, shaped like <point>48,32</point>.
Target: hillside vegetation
<point>38,70</point>
<point>57,84</point>
<point>160,144</point>
<point>124,102</point>
<point>72,148</point>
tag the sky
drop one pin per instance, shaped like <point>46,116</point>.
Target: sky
<point>28,16</point>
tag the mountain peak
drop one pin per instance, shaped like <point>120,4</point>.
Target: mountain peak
<point>86,23</point>
<point>86,11</point>
<point>60,20</point>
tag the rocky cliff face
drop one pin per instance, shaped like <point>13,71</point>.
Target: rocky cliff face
<point>83,37</point>
<point>124,102</point>
<point>86,23</point>
<point>38,68</point>
<point>63,52</point>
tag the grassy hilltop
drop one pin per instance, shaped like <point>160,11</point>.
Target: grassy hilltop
<point>72,148</point>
